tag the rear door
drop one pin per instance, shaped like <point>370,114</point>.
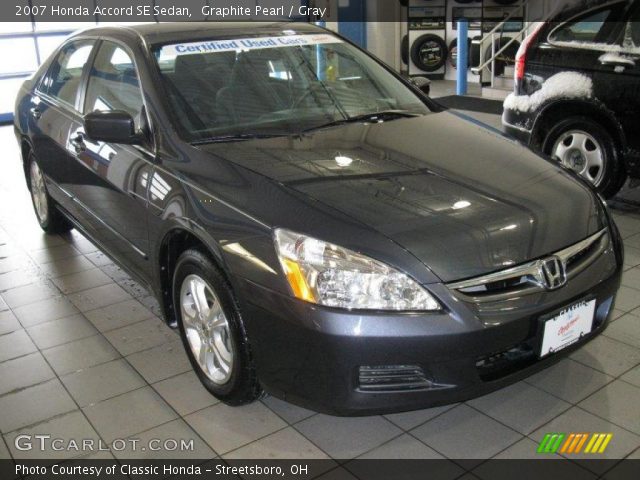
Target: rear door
<point>111,182</point>
<point>579,44</point>
<point>55,112</point>
<point>627,68</point>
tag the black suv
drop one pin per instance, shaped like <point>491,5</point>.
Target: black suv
<point>577,93</point>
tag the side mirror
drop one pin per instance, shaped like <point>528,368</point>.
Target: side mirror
<point>113,126</point>
<point>422,83</point>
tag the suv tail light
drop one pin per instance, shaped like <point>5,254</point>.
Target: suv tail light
<point>521,56</point>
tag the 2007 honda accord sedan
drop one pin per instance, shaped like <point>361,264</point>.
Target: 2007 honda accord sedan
<point>314,225</point>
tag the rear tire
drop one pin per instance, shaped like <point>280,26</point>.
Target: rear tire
<point>212,330</point>
<point>589,149</point>
<point>47,214</point>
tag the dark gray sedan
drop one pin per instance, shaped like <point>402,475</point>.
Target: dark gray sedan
<point>313,224</point>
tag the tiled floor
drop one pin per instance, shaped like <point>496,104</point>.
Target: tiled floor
<point>84,355</point>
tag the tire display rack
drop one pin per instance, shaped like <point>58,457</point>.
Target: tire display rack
<point>430,47</point>
<point>426,47</point>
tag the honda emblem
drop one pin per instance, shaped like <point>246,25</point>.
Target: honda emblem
<point>553,273</point>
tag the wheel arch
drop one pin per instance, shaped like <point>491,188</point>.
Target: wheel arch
<point>175,241</point>
<point>25,150</point>
<point>559,110</point>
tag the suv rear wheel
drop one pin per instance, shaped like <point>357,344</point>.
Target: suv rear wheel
<point>588,149</point>
<point>212,331</point>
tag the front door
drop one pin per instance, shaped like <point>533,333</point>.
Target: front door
<point>113,181</point>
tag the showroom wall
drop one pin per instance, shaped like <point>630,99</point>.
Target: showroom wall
<point>383,38</point>
<point>22,46</point>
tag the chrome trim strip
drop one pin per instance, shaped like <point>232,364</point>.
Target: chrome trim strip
<point>569,252</point>
<point>75,200</point>
<point>532,269</point>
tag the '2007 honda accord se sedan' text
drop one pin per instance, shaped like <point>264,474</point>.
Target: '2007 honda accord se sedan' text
<point>314,225</point>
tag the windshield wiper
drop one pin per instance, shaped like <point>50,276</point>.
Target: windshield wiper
<point>236,137</point>
<point>383,116</point>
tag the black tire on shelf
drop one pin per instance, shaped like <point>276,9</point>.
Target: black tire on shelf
<point>404,50</point>
<point>474,52</point>
<point>429,52</point>
<point>614,175</point>
<point>453,53</point>
<point>242,385</point>
<point>508,57</point>
<point>50,219</point>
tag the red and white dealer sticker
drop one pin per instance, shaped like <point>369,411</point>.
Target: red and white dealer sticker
<point>567,327</point>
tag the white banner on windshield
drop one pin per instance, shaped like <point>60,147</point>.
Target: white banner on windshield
<point>244,44</point>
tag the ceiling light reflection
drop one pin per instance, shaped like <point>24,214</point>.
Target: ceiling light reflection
<point>461,204</point>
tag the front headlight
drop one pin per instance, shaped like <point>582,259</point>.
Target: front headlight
<point>323,273</point>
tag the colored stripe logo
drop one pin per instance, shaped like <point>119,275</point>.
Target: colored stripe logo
<point>574,443</point>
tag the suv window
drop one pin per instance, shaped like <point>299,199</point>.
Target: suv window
<point>632,33</point>
<point>593,27</point>
<point>113,83</point>
<point>63,79</point>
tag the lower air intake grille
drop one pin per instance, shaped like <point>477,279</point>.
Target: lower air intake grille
<point>392,378</point>
<point>498,365</point>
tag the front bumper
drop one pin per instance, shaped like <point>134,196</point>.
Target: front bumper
<point>312,356</point>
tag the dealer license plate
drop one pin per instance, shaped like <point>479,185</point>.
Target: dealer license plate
<point>567,327</point>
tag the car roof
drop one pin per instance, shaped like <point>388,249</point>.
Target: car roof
<point>162,33</point>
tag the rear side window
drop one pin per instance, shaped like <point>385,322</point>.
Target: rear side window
<point>594,27</point>
<point>63,78</point>
<point>113,83</point>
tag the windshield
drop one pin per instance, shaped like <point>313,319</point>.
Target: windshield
<point>283,85</point>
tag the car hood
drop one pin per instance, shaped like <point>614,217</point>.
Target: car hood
<point>461,197</point>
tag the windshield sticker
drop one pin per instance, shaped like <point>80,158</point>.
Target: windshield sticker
<point>244,44</point>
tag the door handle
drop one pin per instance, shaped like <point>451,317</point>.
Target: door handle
<point>618,67</point>
<point>78,143</point>
<point>35,112</point>
<point>619,62</point>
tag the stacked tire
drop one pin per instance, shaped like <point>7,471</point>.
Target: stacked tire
<point>453,53</point>
<point>429,53</point>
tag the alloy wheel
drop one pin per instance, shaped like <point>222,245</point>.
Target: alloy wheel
<point>207,329</point>
<point>582,153</point>
<point>39,193</point>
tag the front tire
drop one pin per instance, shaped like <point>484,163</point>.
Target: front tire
<point>588,149</point>
<point>212,331</point>
<point>48,216</point>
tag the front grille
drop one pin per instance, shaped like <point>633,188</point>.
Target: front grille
<point>529,278</point>
<point>392,378</point>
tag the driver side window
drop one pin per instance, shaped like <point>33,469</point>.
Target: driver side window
<point>114,84</point>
